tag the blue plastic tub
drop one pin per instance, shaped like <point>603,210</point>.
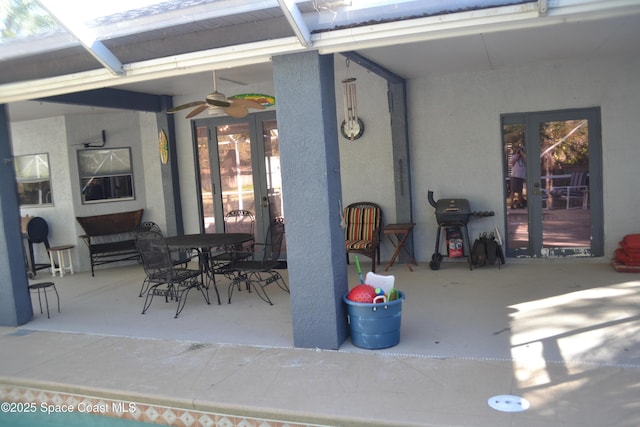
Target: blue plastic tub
<point>375,326</point>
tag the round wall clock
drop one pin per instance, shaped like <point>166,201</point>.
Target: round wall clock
<point>352,130</point>
<point>163,146</point>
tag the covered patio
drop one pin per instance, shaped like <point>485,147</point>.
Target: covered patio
<point>562,335</point>
<point>456,79</point>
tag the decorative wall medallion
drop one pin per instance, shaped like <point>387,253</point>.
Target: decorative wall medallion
<point>163,146</point>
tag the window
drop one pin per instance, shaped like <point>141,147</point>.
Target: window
<point>34,183</point>
<point>105,175</point>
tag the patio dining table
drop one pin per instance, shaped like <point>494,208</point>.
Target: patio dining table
<point>207,244</point>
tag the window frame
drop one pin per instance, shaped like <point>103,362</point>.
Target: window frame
<point>22,181</point>
<point>107,178</point>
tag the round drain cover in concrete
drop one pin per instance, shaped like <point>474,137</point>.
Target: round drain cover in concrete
<point>508,403</point>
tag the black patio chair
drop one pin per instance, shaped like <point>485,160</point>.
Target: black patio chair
<point>37,232</point>
<point>179,258</point>
<point>164,278</point>
<point>235,221</point>
<point>260,273</point>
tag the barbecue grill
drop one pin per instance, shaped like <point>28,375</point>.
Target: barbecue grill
<point>454,213</point>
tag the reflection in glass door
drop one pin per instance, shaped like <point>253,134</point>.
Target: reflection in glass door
<point>552,167</point>
<point>564,183</point>
<point>235,165</point>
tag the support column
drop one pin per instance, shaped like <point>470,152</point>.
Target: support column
<point>310,164</point>
<point>170,175</point>
<point>15,302</point>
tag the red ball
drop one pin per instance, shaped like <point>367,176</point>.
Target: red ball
<point>362,293</point>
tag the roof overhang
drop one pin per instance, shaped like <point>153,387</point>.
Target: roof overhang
<point>350,38</point>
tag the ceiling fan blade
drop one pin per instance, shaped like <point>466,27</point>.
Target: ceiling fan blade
<point>218,103</point>
<point>196,111</point>
<point>185,106</point>
<point>248,103</point>
<point>238,111</point>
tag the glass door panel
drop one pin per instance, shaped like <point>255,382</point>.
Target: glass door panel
<point>272,168</point>
<point>236,170</point>
<point>564,184</point>
<point>205,182</point>
<point>273,179</point>
<point>517,212</point>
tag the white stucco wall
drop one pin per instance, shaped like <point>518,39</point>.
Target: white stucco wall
<point>156,208</point>
<point>455,136</point>
<point>366,164</point>
<point>61,138</point>
<point>49,136</point>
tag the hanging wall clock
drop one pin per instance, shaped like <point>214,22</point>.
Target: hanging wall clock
<point>352,129</point>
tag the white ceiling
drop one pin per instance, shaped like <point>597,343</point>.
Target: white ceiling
<point>174,86</point>
<point>476,50</point>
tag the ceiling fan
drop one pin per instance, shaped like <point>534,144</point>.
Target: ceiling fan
<point>218,104</point>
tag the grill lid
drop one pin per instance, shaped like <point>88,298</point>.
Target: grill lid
<point>452,207</point>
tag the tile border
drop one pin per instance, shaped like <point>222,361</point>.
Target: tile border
<point>55,401</point>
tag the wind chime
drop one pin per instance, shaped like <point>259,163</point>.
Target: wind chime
<point>352,126</point>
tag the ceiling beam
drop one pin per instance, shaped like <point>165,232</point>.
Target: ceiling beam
<point>111,98</point>
<point>368,64</point>
<point>295,19</point>
<point>63,14</point>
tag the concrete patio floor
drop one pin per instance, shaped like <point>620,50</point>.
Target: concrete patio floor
<point>561,334</point>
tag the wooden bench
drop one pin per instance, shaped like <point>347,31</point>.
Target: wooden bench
<point>111,237</point>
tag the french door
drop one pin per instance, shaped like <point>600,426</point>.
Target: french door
<point>239,168</point>
<point>557,210</point>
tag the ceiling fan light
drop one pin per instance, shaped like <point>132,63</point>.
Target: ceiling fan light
<point>216,111</point>
<point>213,109</point>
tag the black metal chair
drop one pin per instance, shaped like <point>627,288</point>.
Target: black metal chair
<point>235,221</point>
<point>148,226</point>
<point>44,287</point>
<point>179,258</point>
<point>37,232</point>
<point>163,277</point>
<point>261,273</point>
<point>239,221</point>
